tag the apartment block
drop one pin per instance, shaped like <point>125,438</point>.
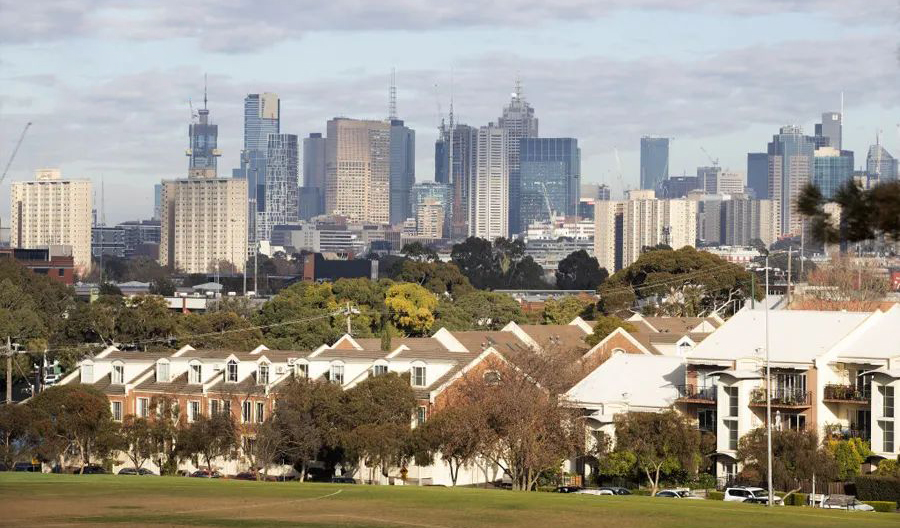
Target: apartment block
<point>357,169</point>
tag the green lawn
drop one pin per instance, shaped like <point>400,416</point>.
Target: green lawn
<point>109,500</point>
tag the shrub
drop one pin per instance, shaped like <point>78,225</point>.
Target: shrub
<point>882,506</point>
<point>796,499</point>
<point>888,468</point>
<point>715,495</point>
<point>874,488</point>
<point>644,492</point>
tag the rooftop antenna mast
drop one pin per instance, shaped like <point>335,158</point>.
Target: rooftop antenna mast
<point>392,94</point>
<point>204,91</point>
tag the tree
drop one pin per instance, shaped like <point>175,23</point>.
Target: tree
<point>660,442</point>
<point>164,432</point>
<point>848,456</point>
<point>108,288</point>
<point>16,430</point>
<point>146,319</point>
<point>265,446</point>
<point>796,456</point>
<point>847,285</point>
<point>438,277</point>
<point>219,329</point>
<point>502,264</point>
<point>302,316</point>
<point>73,417</point>
<point>605,325</point>
<point>888,468</point>
<point>411,308</point>
<point>580,271</point>
<point>208,438</point>
<point>489,310</point>
<point>418,252</point>
<point>308,419</point>
<point>453,433</point>
<point>162,286</point>
<point>564,310</point>
<point>864,213</point>
<point>474,258</point>
<point>137,440</point>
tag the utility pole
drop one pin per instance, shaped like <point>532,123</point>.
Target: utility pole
<point>349,328</point>
<point>790,258</point>
<point>768,396</point>
<point>8,370</point>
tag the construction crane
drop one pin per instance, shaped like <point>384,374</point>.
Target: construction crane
<point>714,161</point>
<point>550,217</point>
<point>15,150</point>
<point>619,170</point>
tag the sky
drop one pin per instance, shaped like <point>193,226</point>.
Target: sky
<point>107,83</point>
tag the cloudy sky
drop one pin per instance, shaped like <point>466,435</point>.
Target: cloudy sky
<point>107,82</point>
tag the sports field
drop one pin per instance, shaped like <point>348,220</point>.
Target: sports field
<point>110,500</point>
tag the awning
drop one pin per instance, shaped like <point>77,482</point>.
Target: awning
<point>723,454</point>
<point>738,374</point>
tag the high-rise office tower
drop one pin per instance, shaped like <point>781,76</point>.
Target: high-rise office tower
<point>50,211</point>
<point>715,180</point>
<point>312,194</point>
<point>204,218</point>
<point>262,116</point>
<point>678,186</point>
<point>791,156</point>
<point>832,168</point>
<point>204,149</point>
<point>550,178</point>
<point>622,229</point>
<point>441,193</point>
<point>758,174</point>
<point>489,190</point>
<point>880,165</point>
<point>654,161</point>
<point>454,155</point>
<point>828,132</point>
<point>157,201</point>
<point>403,170</point>
<point>282,179</point>
<point>357,169</point>
<point>519,122</point>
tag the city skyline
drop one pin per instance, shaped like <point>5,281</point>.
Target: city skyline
<point>121,114</point>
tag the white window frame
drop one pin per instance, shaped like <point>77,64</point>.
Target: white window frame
<point>260,412</point>
<point>421,415</point>
<point>117,374</point>
<point>142,407</point>
<point>193,410</point>
<point>228,377</point>
<point>336,373</point>
<point>301,369</point>
<point>87,372</point>
<point>163,367</point>
<point>115,407</point>
<point>262,374</point>
<point>195,373</point>
<point>246,411</point>
<point>418,376</point>
<point>379,369</point>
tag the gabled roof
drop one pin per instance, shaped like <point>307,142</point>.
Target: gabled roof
<point>877,338</point>
<point>547,337</point>
<point>636,379</point>
<point>179,384</point>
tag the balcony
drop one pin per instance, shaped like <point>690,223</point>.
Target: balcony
<point>782,398</point>
<point>847,394</point>
<point>695,394</point>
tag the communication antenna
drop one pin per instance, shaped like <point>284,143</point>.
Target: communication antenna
<point>392,95</point>
<point>204,91</point>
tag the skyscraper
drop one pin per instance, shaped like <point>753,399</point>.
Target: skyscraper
<point>831,169</point>
<point>519,122</point>
<point>203,149</point>
<point>828,132</point>
<point>403,170</point>
<point>791,165</point>
<point>715,180</point>
<point>357,169</point>
<point>880,165</point>
<point>282,181</point>
<point>262,116</point>
<point>550,177</point>
<point>442,193</point>
<point>454,147</point>
<point>758,174</point>
<point>312,195</point>
<point>654,161</point>
<point>489,190</point>
<point>157,201</point>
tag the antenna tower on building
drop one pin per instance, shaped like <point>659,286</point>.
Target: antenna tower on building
<point>392,94</point>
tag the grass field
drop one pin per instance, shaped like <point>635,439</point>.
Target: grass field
<point>109,500</point>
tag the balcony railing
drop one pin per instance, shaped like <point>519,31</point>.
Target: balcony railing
<point>847,393</point>
<point>693,393</point>
<point>782,397</point>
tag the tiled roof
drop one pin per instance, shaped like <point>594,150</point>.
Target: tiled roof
<point>568,337</point>
<point>179,385</point>
<point>477,341</point>
<point>105,385</point>
<point>138,355</point>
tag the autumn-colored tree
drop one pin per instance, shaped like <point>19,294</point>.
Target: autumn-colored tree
<point>846,285</point>
<point>453,434</point>
<point>796,456</point>
<point>411,308</point>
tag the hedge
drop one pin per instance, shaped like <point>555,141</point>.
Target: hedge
<point>873,488</point>
<point>882,506</point>
<point>797,499</point>
<point>715,495</point>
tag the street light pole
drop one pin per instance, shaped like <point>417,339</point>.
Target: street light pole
<point>768,394</point>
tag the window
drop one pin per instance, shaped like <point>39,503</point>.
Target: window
<point>260,412</point>
<point>143,407</point>
<point>117,411</point>
<point>245,412</point>
<point>231,373</point>
<point>262,375</point>
<point>887,400</point>
<point>706,420</point>
<point>421,414</point>
<point>226,407</point>
<point>87,373</point>
<point>249,444</point>
<point>196,373</point>
<point>887,431</point>
<point>797,422</point>
<point>337,374</point>
<point>162,372</point>
<point>418,376</point>
<point>732,435</point>
<point>193,410</point>
<point>301,370</point>
<point>732,394</point>
<point>379,370</point>
<point>213,407</point>
<point>118,374</point>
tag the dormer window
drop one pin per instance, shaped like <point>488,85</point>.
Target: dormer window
<point>417,377</point>
<point>262,375</point>
<point>379,369</point>
<point>118,374</point>
<point>195,373</point>
<point>336,375</point>
<point>162,372</point>
<point>231,372</point>
<point>87,372</point>
<point>301,370</point>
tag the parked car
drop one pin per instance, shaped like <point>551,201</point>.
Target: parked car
<point>568,489</point>
<point>677,494</point>
<point>750,494</point>
<point>204,473</point>
<point>246,475</point>
<point>844,502</point>
<point>343,480</point>
<point>90,470</point>
<point>594,492</point>
<point>27,467</point>
<point>135,471</point>
<point>616,490</point>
